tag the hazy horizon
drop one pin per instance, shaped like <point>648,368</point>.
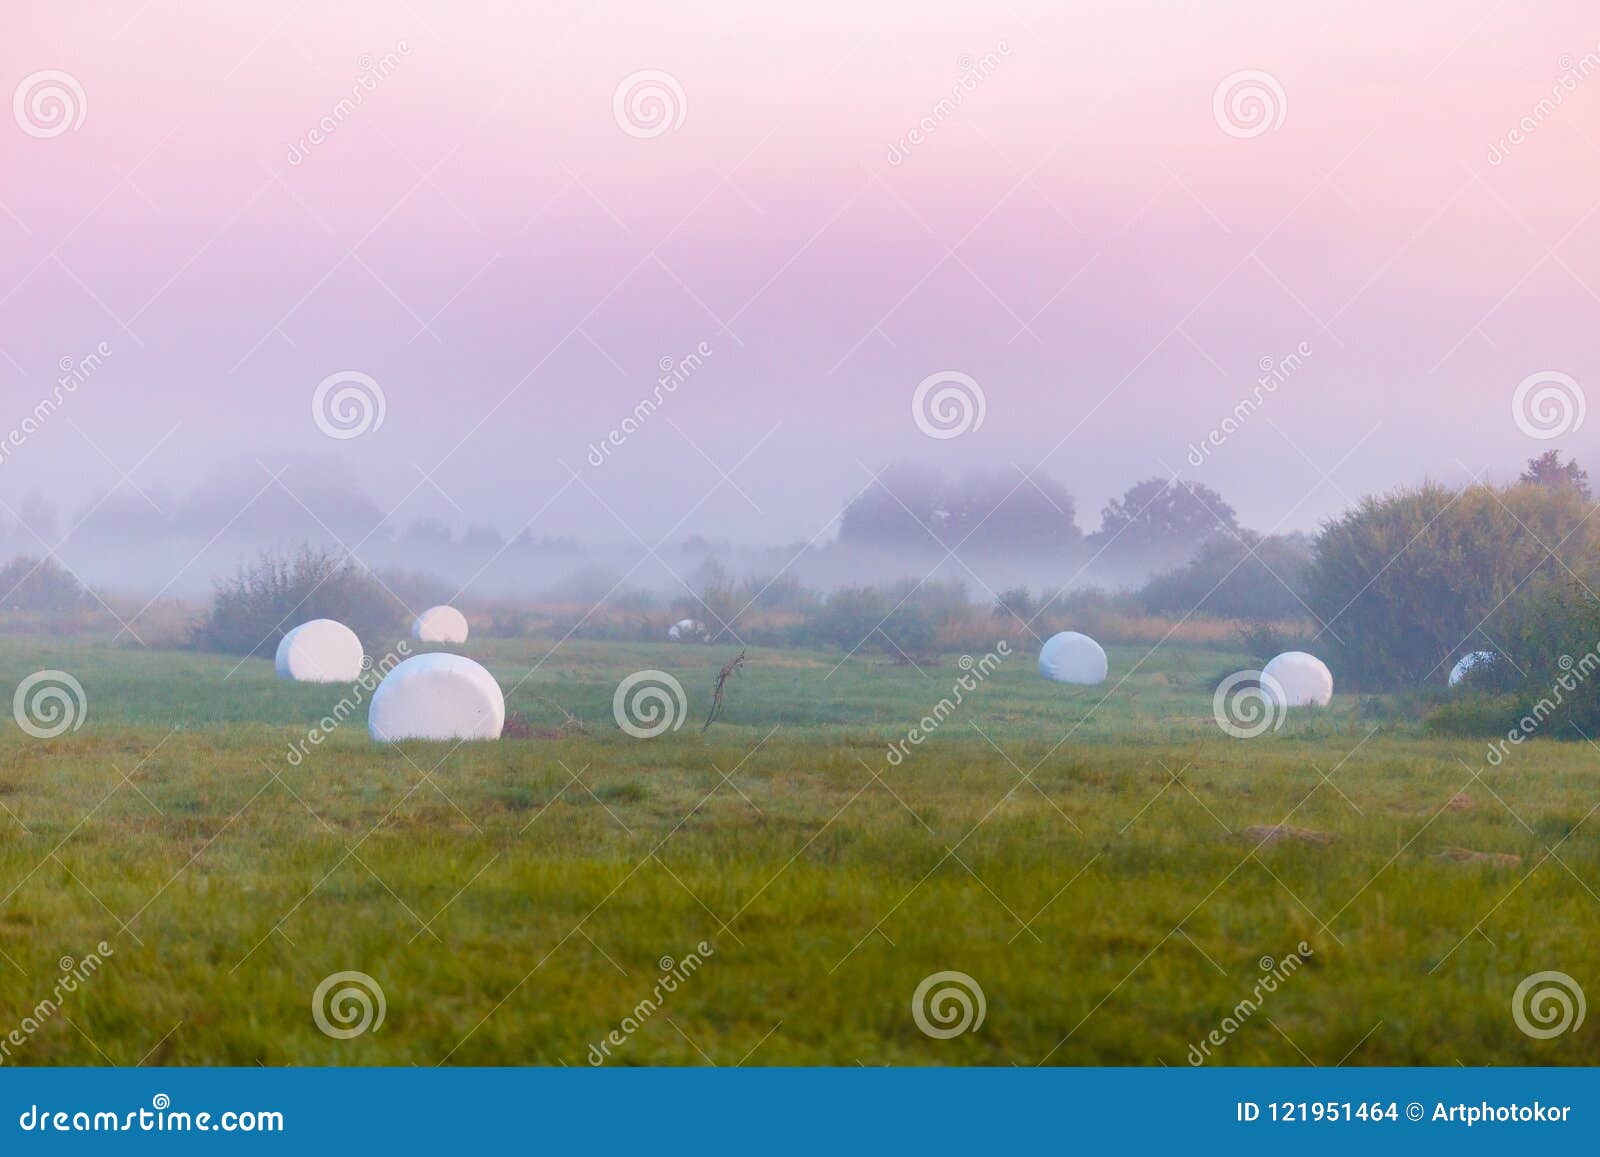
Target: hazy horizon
<point>486,228</point>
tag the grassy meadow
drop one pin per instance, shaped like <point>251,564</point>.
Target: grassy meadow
<point>1099,860</point>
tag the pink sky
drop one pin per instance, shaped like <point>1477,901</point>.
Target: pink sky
<point>1080,236</point>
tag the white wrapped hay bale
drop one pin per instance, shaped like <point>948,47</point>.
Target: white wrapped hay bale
<point>1070,657</point>
<point>1469,661</point>
<point>440,625</point>
<point>1304,679</point>
<point>320,651</point>
<point>686,630</point>
<point>437,696</point>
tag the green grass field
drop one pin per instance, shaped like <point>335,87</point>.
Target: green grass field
<point>1077,852</point>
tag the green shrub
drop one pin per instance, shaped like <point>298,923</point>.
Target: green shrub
<point>1549,642</point>
<point>32,584</point>
<point>1239,576</point>
<point>1406,582</point>
<point>869,619</point>
<point>252,612</point>
<point>1475,715</point>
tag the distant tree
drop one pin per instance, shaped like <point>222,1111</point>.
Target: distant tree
<point>716,601</point>
<point>1165,512</point>
<point>480,537</point>
<point>428,533</point>
<point>34,584</point>
<point>1009,510</point>
<point>1548,470</point>
<point>1241,576</point>
<point>911,506</point>
<point>37,520</point>
<point>902,507</point>
<point>1015,602</point>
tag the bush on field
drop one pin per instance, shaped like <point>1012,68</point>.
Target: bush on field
<point>418,589</point>
<point>41,585</point>
<point>1475,715</point>
<point>1263,641</point>
<point>873,619</point>
<point>1236,576</point>
<point>1549,653</point>
<point>252,612</point>
<point>1406,581</point>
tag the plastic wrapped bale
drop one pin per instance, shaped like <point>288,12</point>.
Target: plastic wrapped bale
<point>320,651</point>
<point>1070,657</point>
<point>437,696</point>
<point>440,625</point>
<point>1468,662</point>
<point>686,630</point>
<point>1305,679</point>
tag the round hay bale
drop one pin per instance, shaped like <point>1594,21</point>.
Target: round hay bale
<point>437,696</point>
<point>440,625</point>
<point>1467,662</point>
<point>320,651</point>
<point>1304,679</point>
<point>1070,657</point>
<point>685,630</point>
